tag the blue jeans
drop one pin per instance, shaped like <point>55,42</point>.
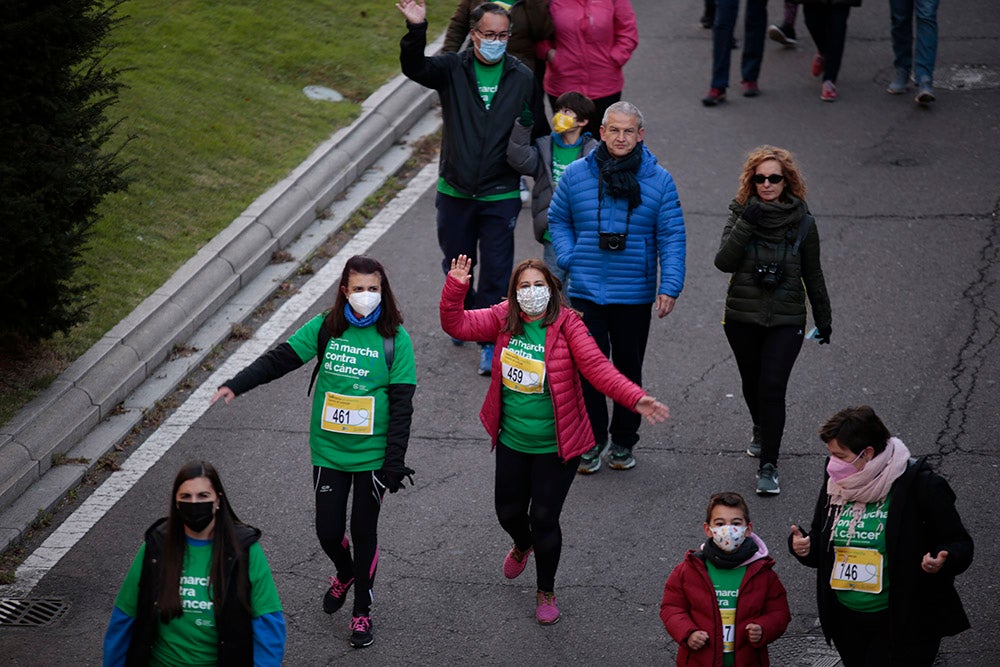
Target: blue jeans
<point>755,30</point>
<point>902,12</point>
<point>549,257</point>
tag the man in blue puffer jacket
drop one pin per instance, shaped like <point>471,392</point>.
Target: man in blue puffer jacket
<point>614,214</point>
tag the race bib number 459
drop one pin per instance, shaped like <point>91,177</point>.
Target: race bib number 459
<point>522,374</point>
<point>348,414</point>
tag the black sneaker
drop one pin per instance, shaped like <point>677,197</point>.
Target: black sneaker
<point>783,34</point>
<point>361,631</point>
<point>334,598</point>
<point>767,480</point>
<point>754,448</point>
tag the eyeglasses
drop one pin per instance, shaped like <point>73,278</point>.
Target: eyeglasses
<point>773,179</point>
<point>490,36</point>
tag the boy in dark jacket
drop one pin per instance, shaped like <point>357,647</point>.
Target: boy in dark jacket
<point>547,158</point>
<point>724,603</point>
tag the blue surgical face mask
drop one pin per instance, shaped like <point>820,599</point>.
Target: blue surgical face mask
<point>492,50</point>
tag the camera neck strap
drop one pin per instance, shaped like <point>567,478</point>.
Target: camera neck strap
<point>600,200</point>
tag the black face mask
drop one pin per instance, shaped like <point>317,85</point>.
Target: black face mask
<point>196,516</point>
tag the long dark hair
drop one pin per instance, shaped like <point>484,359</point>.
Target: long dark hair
<point>391,317</point>
<point>223,540</point>
<point>514,323</point>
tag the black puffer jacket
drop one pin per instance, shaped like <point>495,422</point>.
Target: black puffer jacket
<point>772,239</point>
<point>474,140</point>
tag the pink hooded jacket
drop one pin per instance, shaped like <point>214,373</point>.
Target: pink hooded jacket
<point>593,41</point>
<point>569,351</point>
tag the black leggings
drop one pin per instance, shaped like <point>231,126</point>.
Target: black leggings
<point>827,25</point>
<point>331,488</point>
<point>529,493</point>
<point>765,356</point>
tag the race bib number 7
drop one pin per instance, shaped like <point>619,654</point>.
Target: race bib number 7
<point>728,630</point>
<point>348,414</point>
<point>856,569</point>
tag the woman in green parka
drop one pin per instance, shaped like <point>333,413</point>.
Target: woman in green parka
<point>770,245</point>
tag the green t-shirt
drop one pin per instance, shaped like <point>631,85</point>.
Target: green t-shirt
<point>191,639</point>
<point>860,578</point>
<point>488,79</point>
<point>527,419</point>
<point>562,157</point>
<point>350,410</point>
<point>727,592</point>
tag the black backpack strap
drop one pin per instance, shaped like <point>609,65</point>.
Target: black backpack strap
<point>323,339</point>
<point>804,225</point>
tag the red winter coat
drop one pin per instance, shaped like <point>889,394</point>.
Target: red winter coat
<point>689,604</point>
<point>569,351</point>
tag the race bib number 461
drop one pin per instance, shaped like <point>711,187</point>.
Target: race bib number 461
<point>348,414</point>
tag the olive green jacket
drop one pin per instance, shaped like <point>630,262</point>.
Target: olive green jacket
<point>744,245</point>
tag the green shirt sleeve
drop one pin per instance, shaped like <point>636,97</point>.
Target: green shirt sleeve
<point>404,367</point>
<point>263,593</point>
<point>304,340</point>
<point>128,595</point>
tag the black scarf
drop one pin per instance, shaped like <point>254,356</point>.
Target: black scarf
<point>619,175</point>
<point>727,561</point>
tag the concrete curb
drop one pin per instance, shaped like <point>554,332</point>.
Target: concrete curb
<point>71,418</point>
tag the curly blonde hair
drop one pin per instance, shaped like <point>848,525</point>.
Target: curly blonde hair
<point>794,184</point>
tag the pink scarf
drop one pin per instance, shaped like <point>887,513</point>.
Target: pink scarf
<point>870,484</point>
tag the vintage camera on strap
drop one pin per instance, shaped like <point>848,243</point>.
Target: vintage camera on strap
<point>768,276</point>
<point>609,241</point>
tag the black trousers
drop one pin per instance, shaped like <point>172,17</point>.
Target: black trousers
<point>332,488</point>
<point>827,25</point>
<point>863,640</point>
<point>529,492</point>
<point>765,356</point>
<point>621,331</point>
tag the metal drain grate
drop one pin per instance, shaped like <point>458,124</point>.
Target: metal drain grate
<point>803,651</point>
<point>31,612</point>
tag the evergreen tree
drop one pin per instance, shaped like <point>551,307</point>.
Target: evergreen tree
<point>55,92</point>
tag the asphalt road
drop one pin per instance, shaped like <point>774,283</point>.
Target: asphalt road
<point>906,201</point>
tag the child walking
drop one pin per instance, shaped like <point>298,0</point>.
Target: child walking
<point>724,603</point>
<point>547,158</point>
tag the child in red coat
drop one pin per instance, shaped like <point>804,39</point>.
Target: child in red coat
<point>724,603</point>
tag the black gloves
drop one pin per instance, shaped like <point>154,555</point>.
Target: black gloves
<point>392,477</point>
<point>753,213</point>
<point>823,335</point>
<point>526,118</point>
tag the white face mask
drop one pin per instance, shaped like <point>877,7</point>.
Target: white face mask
<point>728,538</point>
<point>533,299</point>
<point>364,303</point>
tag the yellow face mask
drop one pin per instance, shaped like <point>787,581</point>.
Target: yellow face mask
<point>562,122</point>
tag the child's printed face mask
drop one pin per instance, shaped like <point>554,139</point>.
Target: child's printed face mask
<point>728,538</point>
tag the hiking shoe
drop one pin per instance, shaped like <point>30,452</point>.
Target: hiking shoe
<point>590,462</point>
<point>783,34</point>
<point>828,93</point>
<point>486,360</point>
<point>361,631</point>
<point>546,611</point>
<point>621,458</point>
<point>515,562</point>
<point>334,598</point>
<point>900,83</point>
<point>754,448</point>
<point>767,480</point>
<point>817,65</point>
<point>715,96</point>
<point>750,88</point>
<point>925,94</point>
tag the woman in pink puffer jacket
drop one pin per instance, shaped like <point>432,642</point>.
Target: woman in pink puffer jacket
<point>534,409</point>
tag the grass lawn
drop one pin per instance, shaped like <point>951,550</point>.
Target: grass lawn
<point>217,114</point>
